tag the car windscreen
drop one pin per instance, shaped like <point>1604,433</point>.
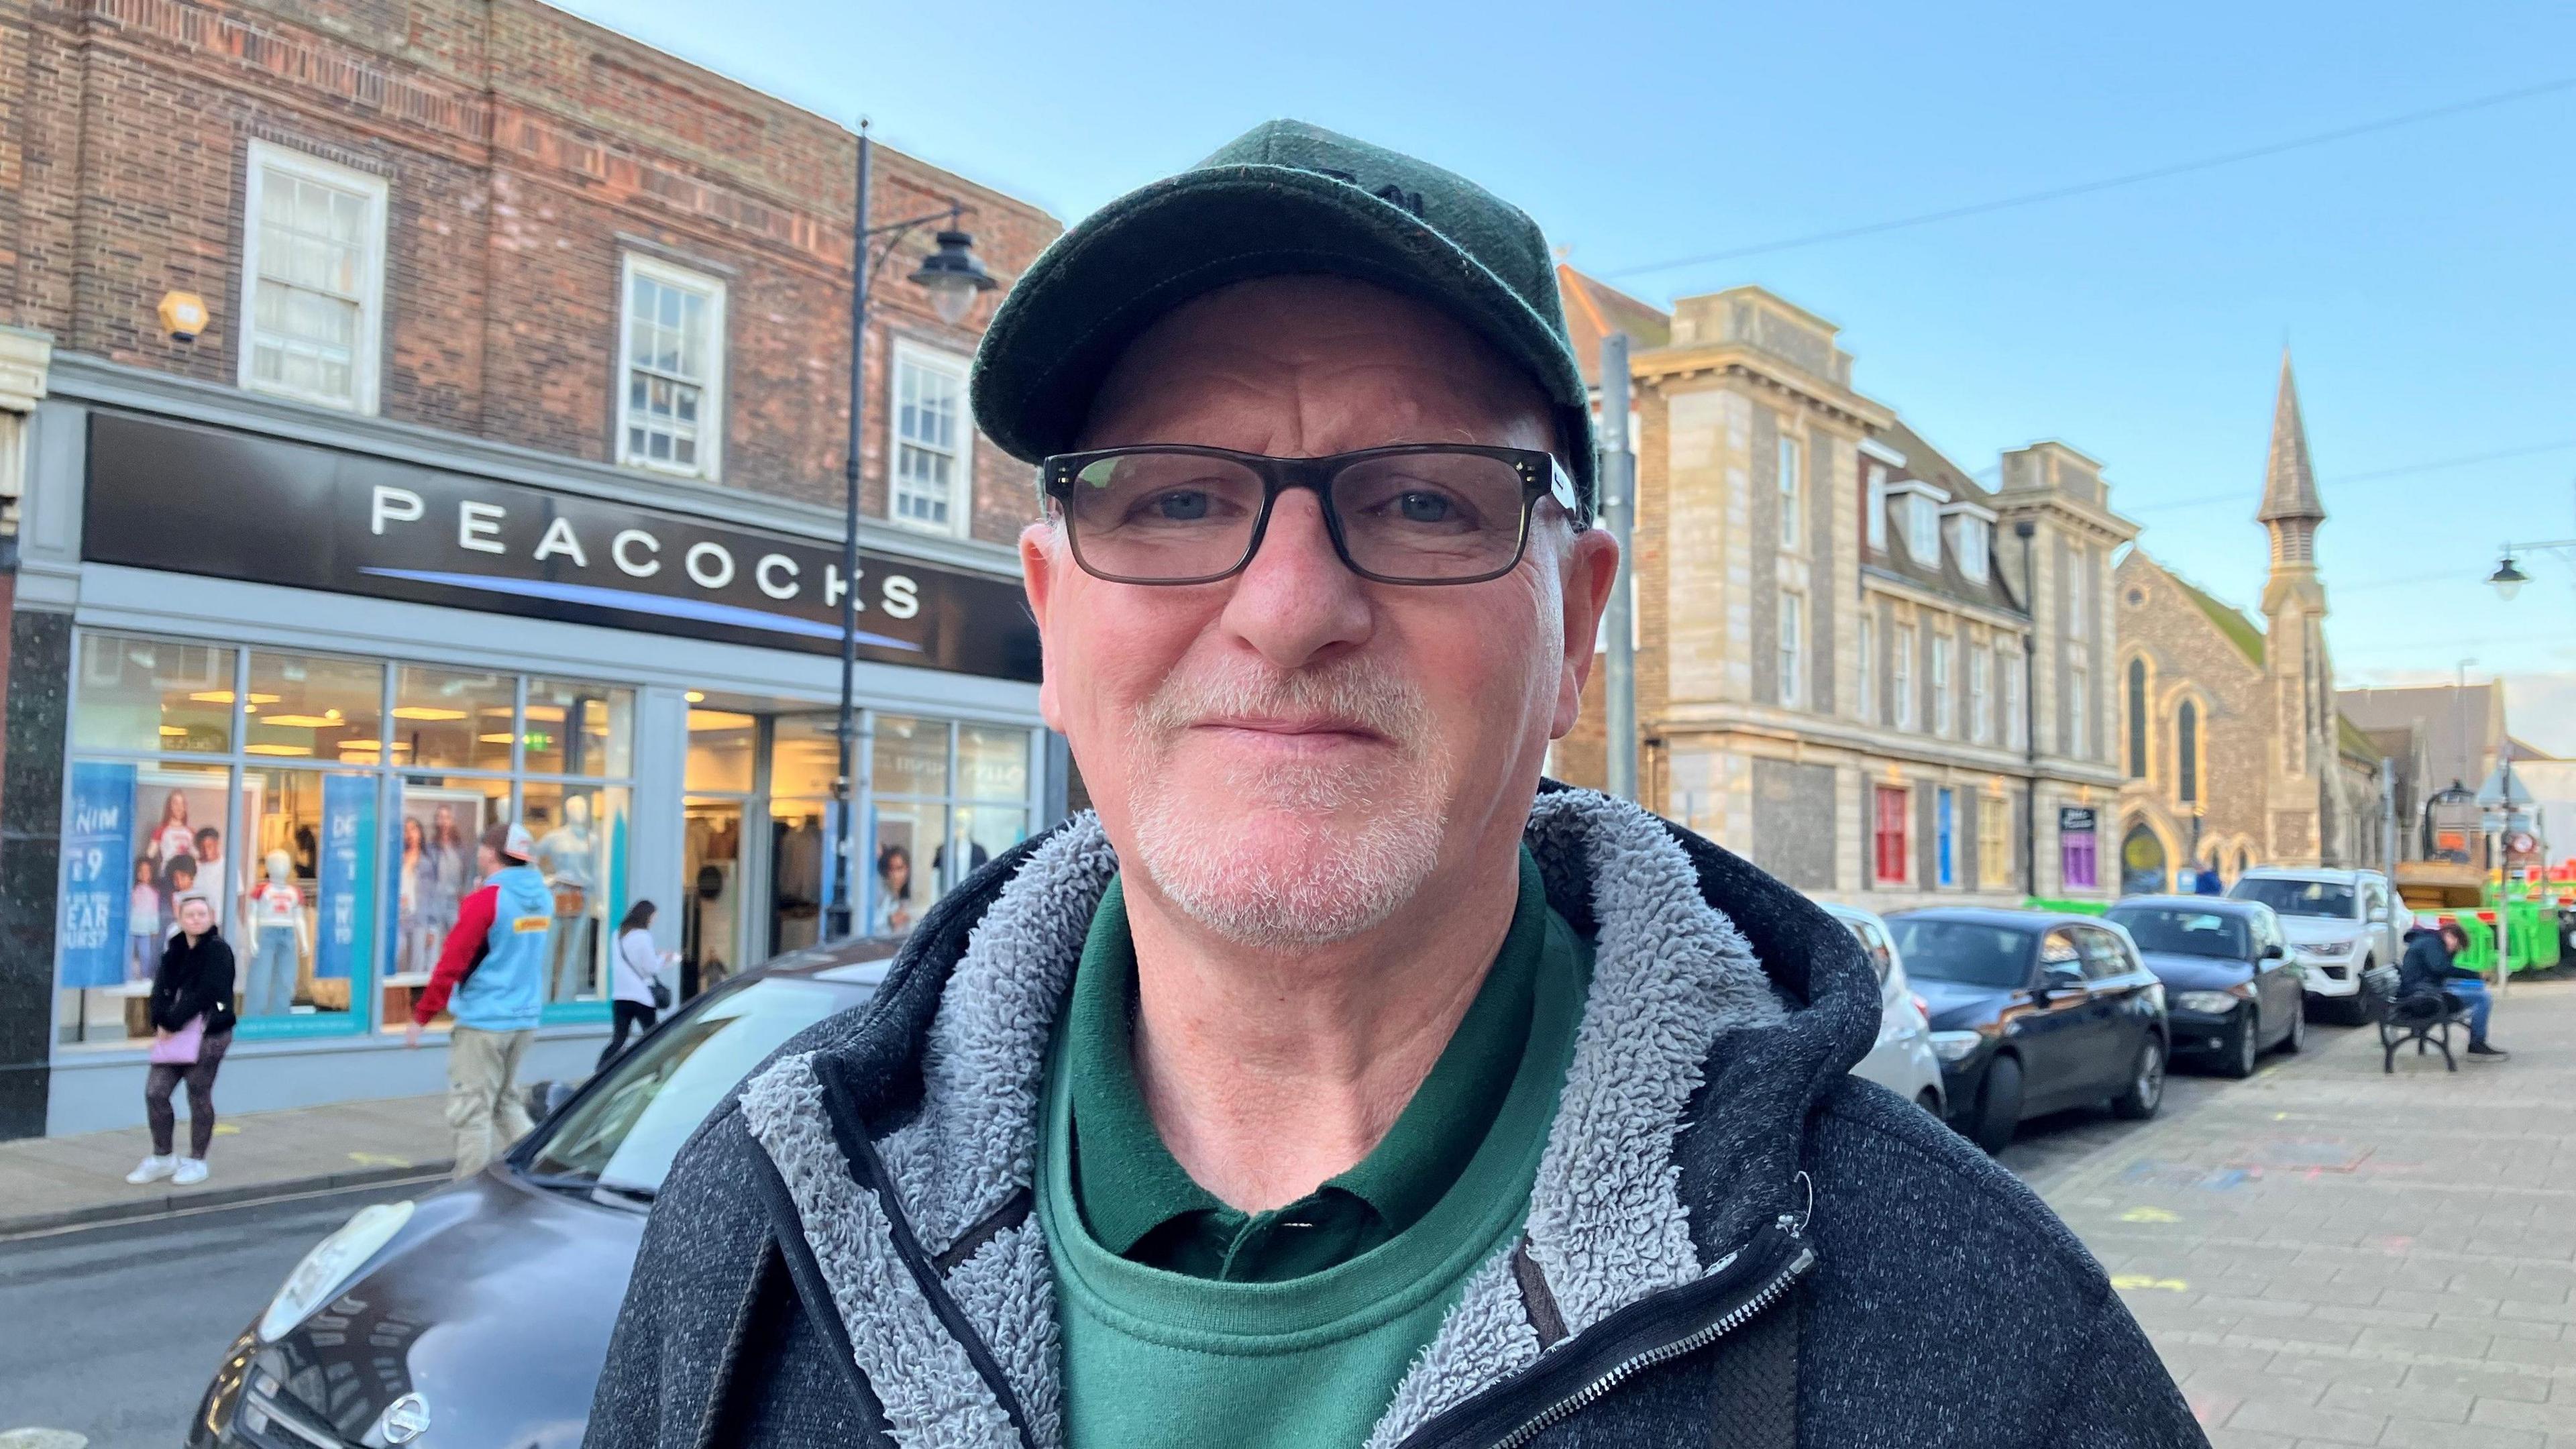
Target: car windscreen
<point>624,1134</point>
<point>2185,932</point>
<point>2297,897</point>
<point>1964,951</point>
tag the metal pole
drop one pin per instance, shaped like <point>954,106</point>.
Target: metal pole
<point>1618,510</point>
<point>836,920</point>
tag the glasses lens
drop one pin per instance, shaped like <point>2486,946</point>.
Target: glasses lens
<point>1162,516</point>
<point>1431,516</point>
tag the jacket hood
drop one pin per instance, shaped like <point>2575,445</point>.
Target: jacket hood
<point>909,1129</point>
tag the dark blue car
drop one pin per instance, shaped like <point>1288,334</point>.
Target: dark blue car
<point>2034,1013</point>
<point>2231,991</point>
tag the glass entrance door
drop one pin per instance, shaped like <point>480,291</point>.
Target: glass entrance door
<point>711,944</point>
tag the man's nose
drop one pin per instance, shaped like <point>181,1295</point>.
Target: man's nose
<point>1296,600</point>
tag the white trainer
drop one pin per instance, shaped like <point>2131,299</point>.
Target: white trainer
<point>192,1170</point>
<point>152,1169</point>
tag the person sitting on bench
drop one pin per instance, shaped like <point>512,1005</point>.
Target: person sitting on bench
<point>2430,967</point>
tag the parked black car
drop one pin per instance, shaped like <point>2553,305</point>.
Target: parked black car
<point>480,1314</point>
<point>2033,1013</point>
<point>2231,991</point>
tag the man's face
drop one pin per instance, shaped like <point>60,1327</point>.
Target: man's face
<point>1292,754</point>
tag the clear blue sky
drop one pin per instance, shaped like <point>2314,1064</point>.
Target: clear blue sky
<point>2421,275</point>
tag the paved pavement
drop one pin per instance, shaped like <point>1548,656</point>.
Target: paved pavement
<point>48,1182</point>
<point>2328,1256</point>
<point>126,1345</point>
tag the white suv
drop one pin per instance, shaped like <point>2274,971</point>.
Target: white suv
<point>1902,1059</point>
<point>2340,923</point>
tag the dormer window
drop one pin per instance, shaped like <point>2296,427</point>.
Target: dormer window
<point>1922,529</point>
<point>1972,542</point>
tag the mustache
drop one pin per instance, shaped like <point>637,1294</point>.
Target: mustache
<point>1352,691</point>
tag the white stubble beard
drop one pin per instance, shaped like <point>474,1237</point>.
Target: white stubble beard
<point>1358,845</point>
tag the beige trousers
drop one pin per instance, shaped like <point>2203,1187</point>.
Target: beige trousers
<point>483,1107</point>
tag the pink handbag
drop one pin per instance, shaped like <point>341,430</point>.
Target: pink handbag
<point>180,1048</point>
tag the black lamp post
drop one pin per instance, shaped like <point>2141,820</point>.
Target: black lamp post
<point>953,276</point>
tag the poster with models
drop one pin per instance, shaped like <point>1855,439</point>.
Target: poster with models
<point>433,871</point>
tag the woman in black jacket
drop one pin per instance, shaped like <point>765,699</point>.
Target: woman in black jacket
<point>195,980</point>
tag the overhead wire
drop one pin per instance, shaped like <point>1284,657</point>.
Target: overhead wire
<point>2106,183</point>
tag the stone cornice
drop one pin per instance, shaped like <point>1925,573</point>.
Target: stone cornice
<point>1896,585</point>
<point>2108,527</point>
<point>25,358</point>
<point>1676,364</point>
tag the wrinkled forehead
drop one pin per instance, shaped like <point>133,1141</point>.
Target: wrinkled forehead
<point>1306,365</point>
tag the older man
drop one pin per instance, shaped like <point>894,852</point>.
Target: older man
<point>1338,1083</point>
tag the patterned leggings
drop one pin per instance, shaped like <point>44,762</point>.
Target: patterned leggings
<point>200,1078</point>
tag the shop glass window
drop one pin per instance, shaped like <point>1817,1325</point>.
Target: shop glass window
<point>152,696</point>
<point>306,896</point>
<point>579,729</point>
<point>908,857</point>
<point>910,756</point>
<point>314,708</point>
<point>1888,833</point>
<point>723,749</point>
<point>138,837</point>
<point>580,837</point>
<point>993,762</point>
<point>804,755</point>
<point>1994,841</point>
<point>449,720</point>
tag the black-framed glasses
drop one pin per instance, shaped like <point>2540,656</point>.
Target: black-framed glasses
<point>1415,513</point>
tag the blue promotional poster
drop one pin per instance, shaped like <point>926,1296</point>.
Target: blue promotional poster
<point>344,916</point>
<point>97,880</point>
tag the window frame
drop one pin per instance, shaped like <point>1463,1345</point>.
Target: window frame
<point>2188,731</point>
<point>1945,706</point>
<point>1981,694</point>
<point>2079,611</point>
<point>1994,839</point>
<point>2135,730</point>
<point>2016,704</point>
<point>366,354</point>
<point>1792,647</point>
<point>1923,530</point>
<point>1865,699</point>
<point>1975,545</point>
<point>1945,825</point>
<point>958,368</point>
<point>1886,844</point>
<point>1901,675</point>
<point>1876,520</point>
<point>1789,465</point>
<point>711,391</point>
<point>2079,703</point>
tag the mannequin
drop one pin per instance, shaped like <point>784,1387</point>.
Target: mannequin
<point>565,858</point>
<point>280,935</point>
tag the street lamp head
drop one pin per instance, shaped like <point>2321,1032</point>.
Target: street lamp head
<point>953,275</point>
<point>2508,580</point>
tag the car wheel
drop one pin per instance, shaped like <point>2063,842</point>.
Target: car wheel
<point>2146,1083</point>
<point>2297,1036</point>
<point>2244,1044</point>
<point>2354,1010</point>
<point>1998,1105</point>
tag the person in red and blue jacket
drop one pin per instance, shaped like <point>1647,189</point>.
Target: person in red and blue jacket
<point>491,978</point>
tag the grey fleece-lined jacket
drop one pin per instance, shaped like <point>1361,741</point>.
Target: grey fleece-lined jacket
<point>1725,1223</point>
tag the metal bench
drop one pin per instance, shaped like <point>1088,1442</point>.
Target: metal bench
<point>2424,1019</point>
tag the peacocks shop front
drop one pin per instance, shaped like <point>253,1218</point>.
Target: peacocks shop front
<point>301,679</point>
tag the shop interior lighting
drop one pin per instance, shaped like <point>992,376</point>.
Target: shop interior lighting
<point>173,731</point>
<point>300,721</point>
<point>499,739</point>
<point>362,744</point>
<point>277,749</point>
<point>696,696</point>
<point>225,696</point>
<point>426,712</point>
<point>550,713</point>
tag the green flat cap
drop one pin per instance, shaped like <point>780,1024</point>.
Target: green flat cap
<point>1285,197</point>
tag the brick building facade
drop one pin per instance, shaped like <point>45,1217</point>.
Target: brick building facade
<point>522,395</point>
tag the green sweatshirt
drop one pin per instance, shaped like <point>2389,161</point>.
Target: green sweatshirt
<point>1187,1322</point>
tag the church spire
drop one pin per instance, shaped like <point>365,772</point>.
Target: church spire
<point>2289,484</point>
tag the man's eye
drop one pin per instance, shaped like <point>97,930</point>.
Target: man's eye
<point>1179,506</point>
<point>1421,507</point>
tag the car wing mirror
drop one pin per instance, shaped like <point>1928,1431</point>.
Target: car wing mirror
<point>547,1098</point>
<point>2273,952</point>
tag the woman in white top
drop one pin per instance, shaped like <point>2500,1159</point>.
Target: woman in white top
<point>635,971</point>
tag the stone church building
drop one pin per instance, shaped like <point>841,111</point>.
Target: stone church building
<point>2234,749</point>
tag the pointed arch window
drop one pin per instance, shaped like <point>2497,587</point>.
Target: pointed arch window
<point>2137,719</point>
<point>2187,753</point>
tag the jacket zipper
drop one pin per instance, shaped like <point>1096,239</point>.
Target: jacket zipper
<point>1795,1259</point>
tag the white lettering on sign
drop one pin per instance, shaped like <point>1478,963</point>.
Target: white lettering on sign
<point>775,562</point>
<point>478,527</point>
<point>709,575</point>
<point>902,600</point>
<point>834,588</point>
<point>392,505</point>
<point>559,540</point>
<point>627,536</point>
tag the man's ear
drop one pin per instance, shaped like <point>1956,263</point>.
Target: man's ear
<point>1591,568</point>
<point>1039,558</point>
